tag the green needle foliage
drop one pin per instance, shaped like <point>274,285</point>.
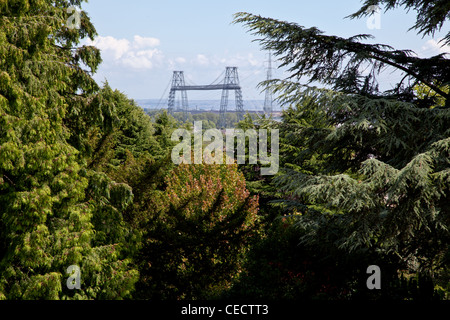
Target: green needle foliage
<point>431,15</point>
<point>346,64</point>
<point>367,170</point>
<point>47,197</point>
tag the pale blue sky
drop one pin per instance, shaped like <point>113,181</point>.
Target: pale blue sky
<point>142,42</point>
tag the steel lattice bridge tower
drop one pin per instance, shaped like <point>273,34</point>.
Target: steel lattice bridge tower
<point>230,82</point>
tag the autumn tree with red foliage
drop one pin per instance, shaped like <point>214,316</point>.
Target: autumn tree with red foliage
<point>197,230</point>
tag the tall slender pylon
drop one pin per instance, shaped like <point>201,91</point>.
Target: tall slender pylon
<point>269,99</point>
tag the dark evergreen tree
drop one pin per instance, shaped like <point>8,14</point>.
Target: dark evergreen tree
<point>370,168</point>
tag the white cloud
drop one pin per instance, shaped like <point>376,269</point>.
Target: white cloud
<point>142,53</point>
<point>434,47</point>
<point>111,46</point>
<point>180,60</point>
<point>138,54</point>
<point>141,42</point>
<point>176,63</point>
<point>143,59</point>
<point>252,60</point>
<point>201,59</point>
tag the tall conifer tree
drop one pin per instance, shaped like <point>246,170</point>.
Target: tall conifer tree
<point>371,168</point>
<point>45,206</point>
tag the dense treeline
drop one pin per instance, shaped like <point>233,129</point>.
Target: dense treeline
<point>87,179</point>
